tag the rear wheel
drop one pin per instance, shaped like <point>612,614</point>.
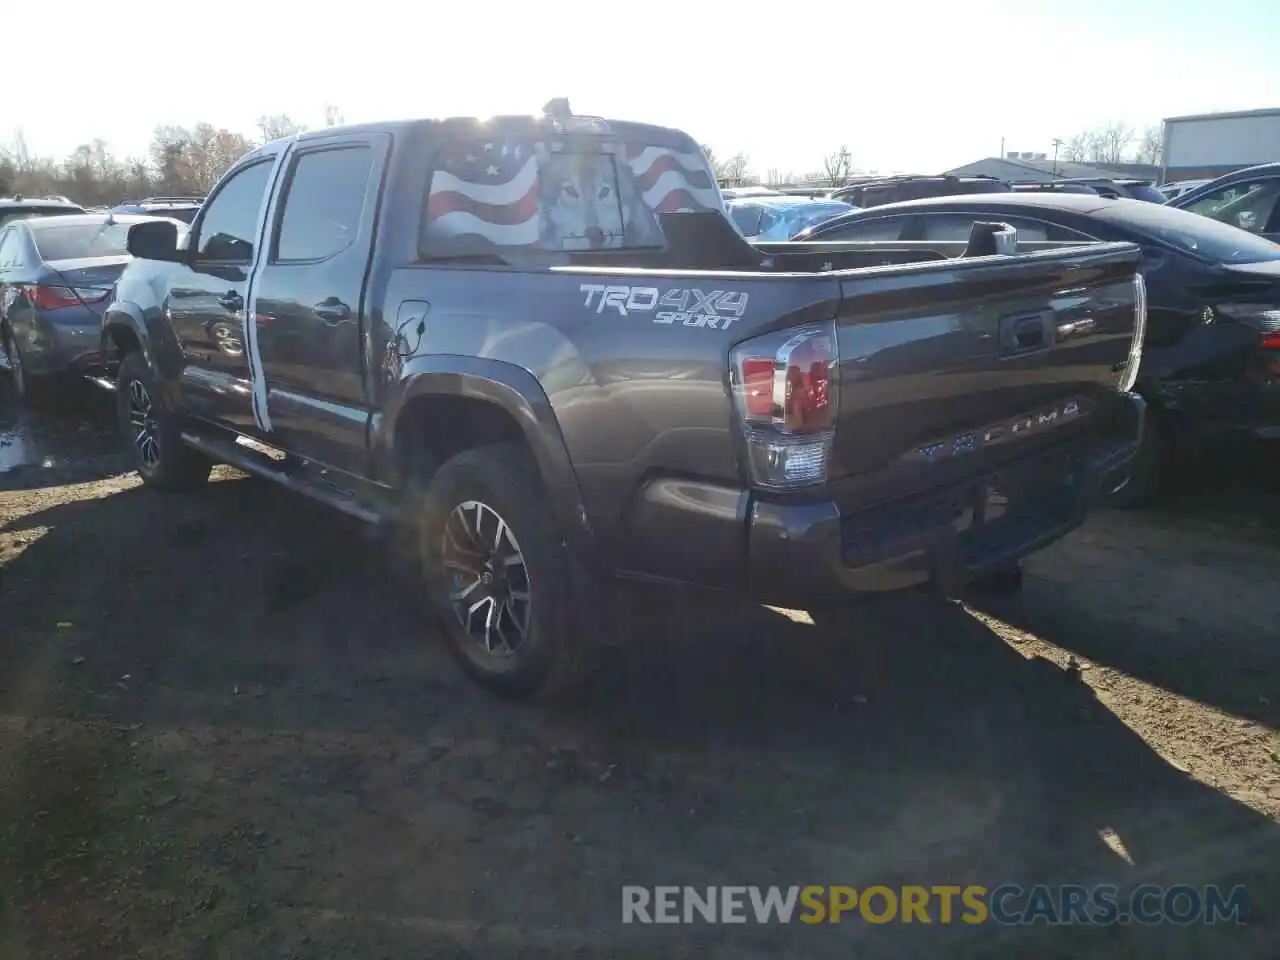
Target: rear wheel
<point>499,575</point>
<point>154,432</point>
<point>31,390</point>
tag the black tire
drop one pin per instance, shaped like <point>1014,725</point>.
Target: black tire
<point>552,652</point>
<point>1151,468</point>
<point>31,391</point>
<point>170,465</point>
<point>1004,581</point>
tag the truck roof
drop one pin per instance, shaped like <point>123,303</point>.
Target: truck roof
<point>507,125</point>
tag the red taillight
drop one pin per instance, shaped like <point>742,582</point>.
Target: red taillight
<point>1271,341</point>
<point>757,380</point>
<point>48,297</point>
<point>785,390</point>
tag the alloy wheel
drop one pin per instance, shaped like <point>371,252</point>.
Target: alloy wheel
<point>488,578</point>
<point>146,432</point>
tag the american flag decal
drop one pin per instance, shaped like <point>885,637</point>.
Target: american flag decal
<point>488,191</point>
<point>672,182</point>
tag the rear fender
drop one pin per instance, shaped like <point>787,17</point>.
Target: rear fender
<point>154,336</point>
<point>518,393</point>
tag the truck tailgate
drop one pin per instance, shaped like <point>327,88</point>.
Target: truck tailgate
<point>1010,353</point>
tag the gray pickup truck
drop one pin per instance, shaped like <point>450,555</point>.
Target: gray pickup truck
<point>534,348</point>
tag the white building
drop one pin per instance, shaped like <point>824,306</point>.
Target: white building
<point>1211,144</point>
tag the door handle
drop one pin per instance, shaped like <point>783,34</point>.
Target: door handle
<point>332,311</point>
<point>1024,333</point>
<point>232,300</point>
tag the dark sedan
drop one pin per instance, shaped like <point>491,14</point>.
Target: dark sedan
<point>1212,358</point>
<point>56,278</point>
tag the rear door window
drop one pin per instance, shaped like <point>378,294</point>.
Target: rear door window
<point>559,196</point>
<point>323,203</point>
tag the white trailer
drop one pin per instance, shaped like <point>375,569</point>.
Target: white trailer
<point>1211,144</point>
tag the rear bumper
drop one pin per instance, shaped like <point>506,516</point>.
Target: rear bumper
<point>808,554</point>
<point>60,348</point>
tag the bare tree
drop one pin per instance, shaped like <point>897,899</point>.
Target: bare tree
<point>278,125</point>
<point>1114,140</point>
<point>180,160</point>
<point>837,167</point>
<point>1075,149</point>
<point>735,168</point>
<point>1151,146</point>
<point>333,116</point>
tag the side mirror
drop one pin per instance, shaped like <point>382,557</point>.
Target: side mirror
<point>155,240</point>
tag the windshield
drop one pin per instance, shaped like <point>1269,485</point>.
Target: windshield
<point>1199,236</point>
<point>558,196</point>
<point>74,241</point>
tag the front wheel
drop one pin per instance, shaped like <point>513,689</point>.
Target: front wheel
<point>499,575</point>
<point>154,432</point>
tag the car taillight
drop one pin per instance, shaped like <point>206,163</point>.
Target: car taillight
<point>1263,317</point>
<point>1130,375</point>
<point>48,297</point>
<point>786,393</point>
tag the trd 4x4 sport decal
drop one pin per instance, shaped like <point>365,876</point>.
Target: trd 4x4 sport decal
<point>687,306</point>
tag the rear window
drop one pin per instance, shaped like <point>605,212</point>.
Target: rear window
<point>74,241</point>
<point>559,196</point>
<point>9,214</point>
<point>1199,236</point>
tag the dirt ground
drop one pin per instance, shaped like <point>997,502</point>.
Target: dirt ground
<point>224,732</point>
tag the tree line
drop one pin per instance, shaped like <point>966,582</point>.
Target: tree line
<point>1113,142</point>
<point>187,161</point>
<point>180,161</point>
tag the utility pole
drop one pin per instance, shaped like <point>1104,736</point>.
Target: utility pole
<point>1056,144</point>
<point>1002,148</point>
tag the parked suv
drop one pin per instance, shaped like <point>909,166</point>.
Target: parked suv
<point>179,208</point>
<point>18,208</point>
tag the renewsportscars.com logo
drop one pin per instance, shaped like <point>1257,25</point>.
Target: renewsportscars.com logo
<point>1008,904</point>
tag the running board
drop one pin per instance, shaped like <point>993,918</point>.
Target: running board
<point>257,460</point>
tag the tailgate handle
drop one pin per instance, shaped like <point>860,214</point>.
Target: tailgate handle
<point>1024,333</point>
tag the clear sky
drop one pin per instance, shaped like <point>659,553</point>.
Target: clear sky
<point>921,85</point>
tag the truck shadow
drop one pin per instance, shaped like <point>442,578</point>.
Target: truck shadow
<point>280,680</point>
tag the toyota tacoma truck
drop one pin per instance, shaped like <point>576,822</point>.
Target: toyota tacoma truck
<point>535,350</point>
